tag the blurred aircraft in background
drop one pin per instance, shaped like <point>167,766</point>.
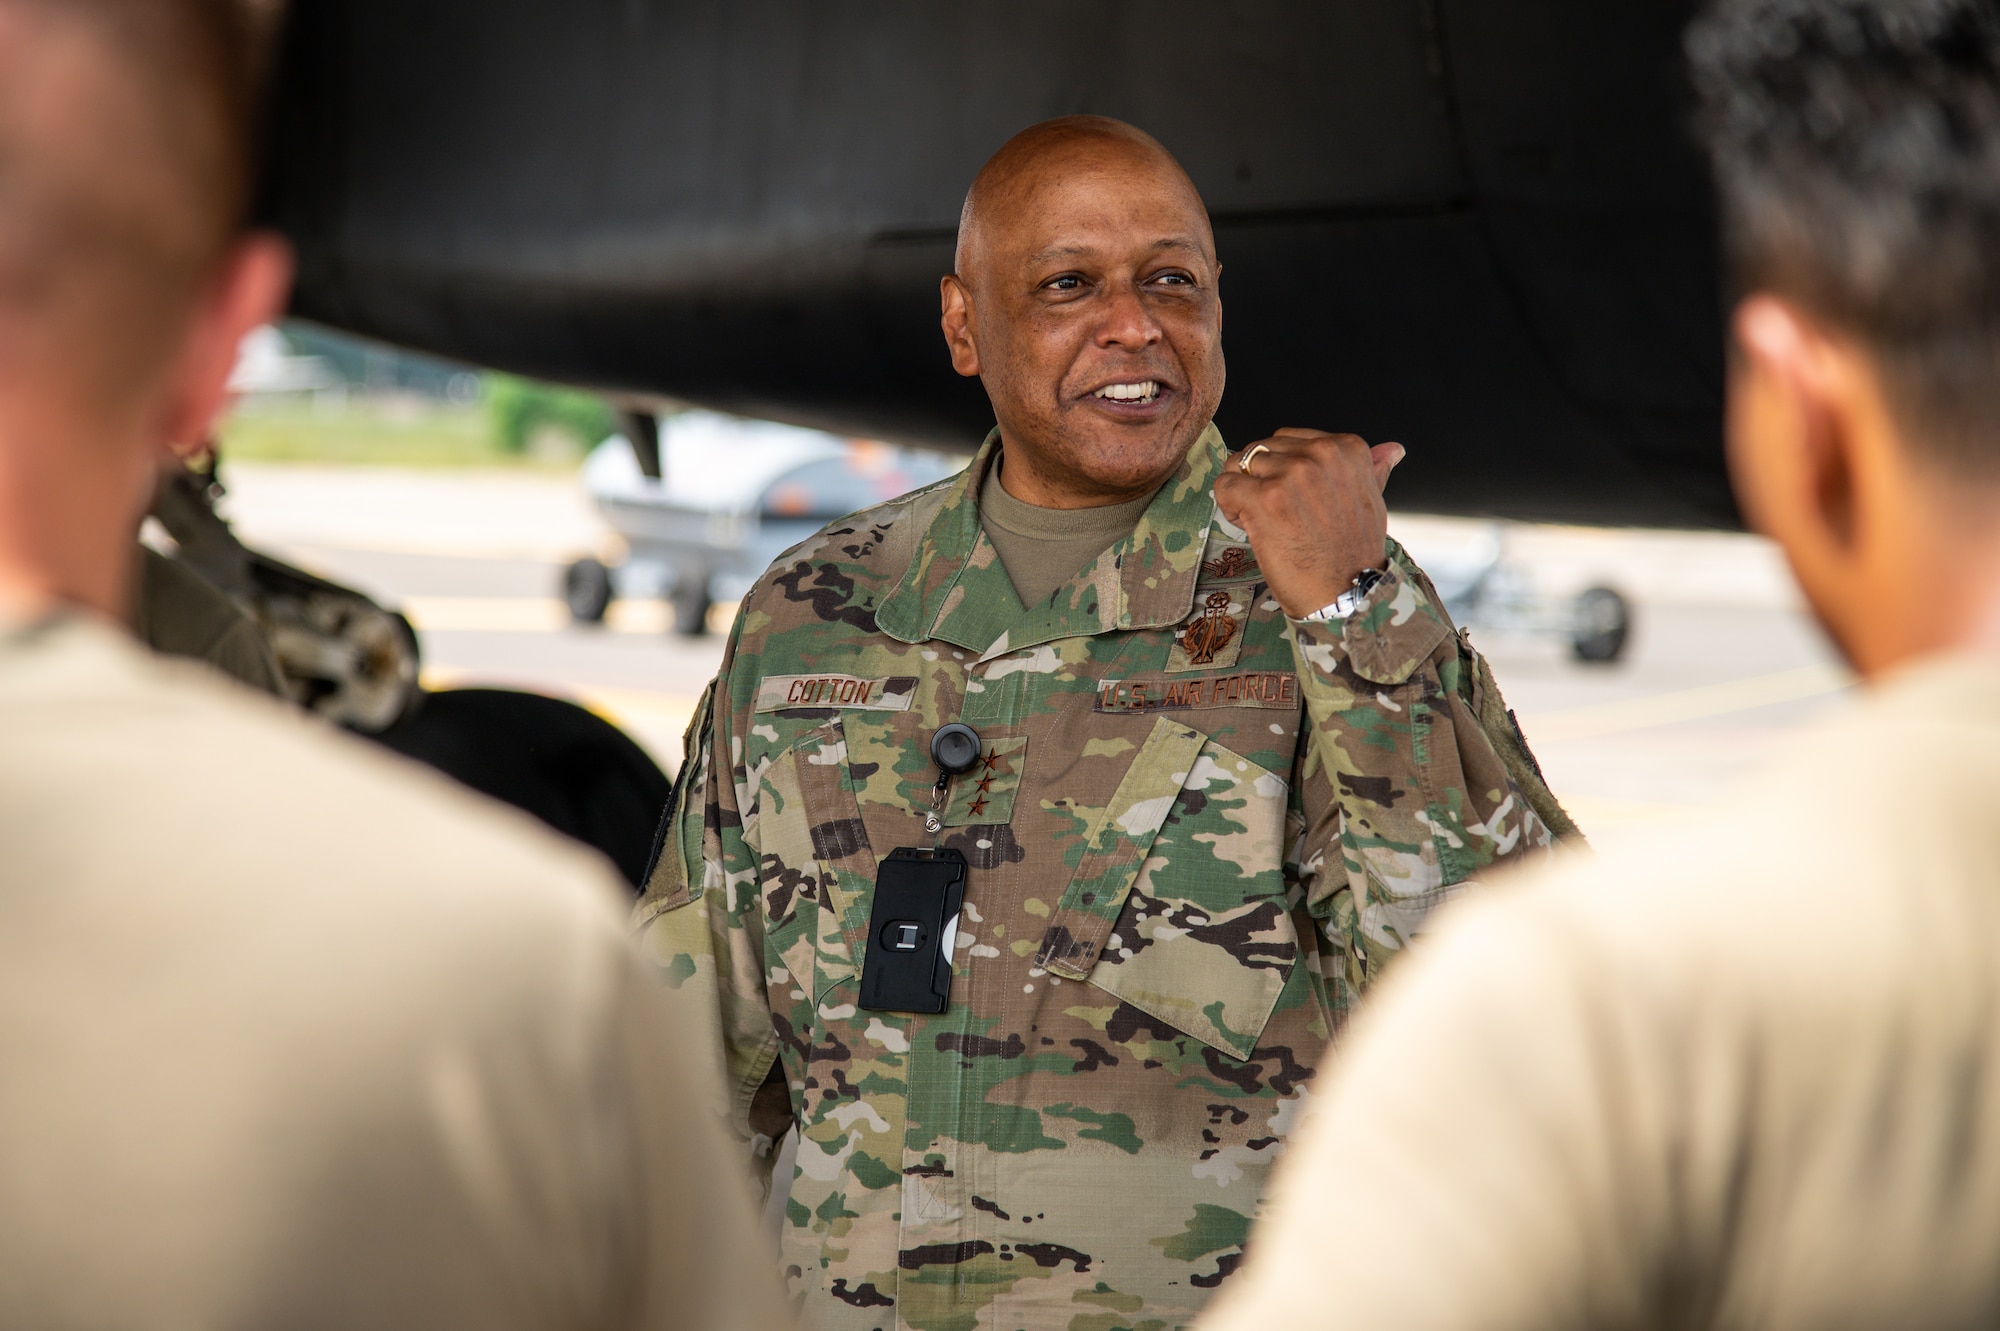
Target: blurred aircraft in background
<point>742,493</point>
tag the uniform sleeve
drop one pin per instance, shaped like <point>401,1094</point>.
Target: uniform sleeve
<point>701,919</point>
<point>1492,1152</point>
<point>1414,778</point>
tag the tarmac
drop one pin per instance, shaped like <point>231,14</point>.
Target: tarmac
<point>1723,662</point>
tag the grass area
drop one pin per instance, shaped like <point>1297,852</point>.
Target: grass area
<point>397,432</point>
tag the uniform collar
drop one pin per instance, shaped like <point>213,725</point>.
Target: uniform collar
<point>956,589</point>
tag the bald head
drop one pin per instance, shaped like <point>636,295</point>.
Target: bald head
<point>1085,298</point>
<point>1042,159</point>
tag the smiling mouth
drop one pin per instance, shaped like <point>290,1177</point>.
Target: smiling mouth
<point>1145,390</point>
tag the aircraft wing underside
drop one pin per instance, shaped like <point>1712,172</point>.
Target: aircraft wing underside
<point>1475,226</point>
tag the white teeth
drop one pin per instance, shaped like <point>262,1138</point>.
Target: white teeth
<point>1140,392</point>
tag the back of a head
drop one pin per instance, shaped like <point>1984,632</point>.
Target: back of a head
<point>1856,146</point>
<point>125,167</point>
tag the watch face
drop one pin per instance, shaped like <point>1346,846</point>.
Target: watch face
<point>1348,601</point>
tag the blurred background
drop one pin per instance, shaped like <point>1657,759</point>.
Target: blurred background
<point>511,523</point>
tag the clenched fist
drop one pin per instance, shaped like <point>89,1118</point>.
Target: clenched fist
<point>1312,506</point>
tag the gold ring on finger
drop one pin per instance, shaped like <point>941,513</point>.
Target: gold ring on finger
<point>1243,463</point>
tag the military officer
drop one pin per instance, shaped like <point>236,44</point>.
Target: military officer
<point>1225,751</point>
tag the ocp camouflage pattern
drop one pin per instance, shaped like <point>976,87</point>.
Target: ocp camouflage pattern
<point>1197,832</point>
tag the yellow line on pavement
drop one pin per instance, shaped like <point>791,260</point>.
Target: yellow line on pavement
<point>524,614</point>
<point>542,614</point>
<point>1661,709</point>
<point>657,720</point>
<point>641,703</point>
<point>650,703</point>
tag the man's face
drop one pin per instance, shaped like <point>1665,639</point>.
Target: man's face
<point>1096,323</point>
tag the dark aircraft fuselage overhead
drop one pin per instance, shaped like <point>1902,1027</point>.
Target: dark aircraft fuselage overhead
<point>1479,227</point>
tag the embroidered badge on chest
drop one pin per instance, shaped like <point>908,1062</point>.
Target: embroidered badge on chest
<point>1213,635</point>
<point>1229,563</point>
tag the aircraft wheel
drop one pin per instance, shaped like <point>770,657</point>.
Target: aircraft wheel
<point>690,603</point>
<point>587,591</point>
<point>1603,623</point>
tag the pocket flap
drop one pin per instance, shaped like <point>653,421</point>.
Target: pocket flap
<point>1118,844</point>
<point>1180,908</point>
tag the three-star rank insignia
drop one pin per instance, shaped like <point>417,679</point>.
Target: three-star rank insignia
<point>986,793</point>
<point>1212,637</point>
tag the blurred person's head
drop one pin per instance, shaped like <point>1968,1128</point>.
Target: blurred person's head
<point>127,276</point>
<point>1856,146</point>
<point>1085,263</point>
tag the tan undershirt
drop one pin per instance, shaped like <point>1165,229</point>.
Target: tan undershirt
<point>1043,548</point>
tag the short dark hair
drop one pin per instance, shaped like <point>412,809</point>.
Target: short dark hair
<point>1856,146</point>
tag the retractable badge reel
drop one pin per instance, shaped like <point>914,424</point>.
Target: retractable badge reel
<point>955,749</point>
<point>919,891</point>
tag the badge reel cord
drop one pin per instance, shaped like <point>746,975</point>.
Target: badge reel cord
<point>913,924</point>
<point>955,749</point>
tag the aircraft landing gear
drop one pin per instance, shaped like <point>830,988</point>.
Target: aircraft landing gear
<point>589,586</point>
<point>690,603</point>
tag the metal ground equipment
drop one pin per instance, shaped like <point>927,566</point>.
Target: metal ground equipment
<point>356,663</point>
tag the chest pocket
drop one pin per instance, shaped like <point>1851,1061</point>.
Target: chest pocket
<point>817,859</point>
<point>1178,904</point>
<point>814,860</point>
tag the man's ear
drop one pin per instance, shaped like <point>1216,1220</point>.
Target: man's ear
<point>957,323</point>
<point>1792,437</point>
<point>249,288</point>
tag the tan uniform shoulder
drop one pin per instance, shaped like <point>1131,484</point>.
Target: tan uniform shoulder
<point>259,783</point>
<point>1783,879</point>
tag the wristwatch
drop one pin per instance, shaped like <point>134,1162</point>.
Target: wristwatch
<point>1348,601</point>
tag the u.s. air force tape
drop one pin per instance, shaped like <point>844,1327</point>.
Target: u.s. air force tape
<point>892,693</point>
<point>1168,693</point>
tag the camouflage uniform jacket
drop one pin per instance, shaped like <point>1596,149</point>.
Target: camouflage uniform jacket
<point>1196,832</point>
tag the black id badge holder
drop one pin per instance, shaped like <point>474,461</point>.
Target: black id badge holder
<point>918,893</point>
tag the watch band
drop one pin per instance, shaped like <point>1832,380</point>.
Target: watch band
<point>1348,601</point>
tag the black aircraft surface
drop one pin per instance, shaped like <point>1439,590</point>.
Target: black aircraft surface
<point>1476,226</point>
